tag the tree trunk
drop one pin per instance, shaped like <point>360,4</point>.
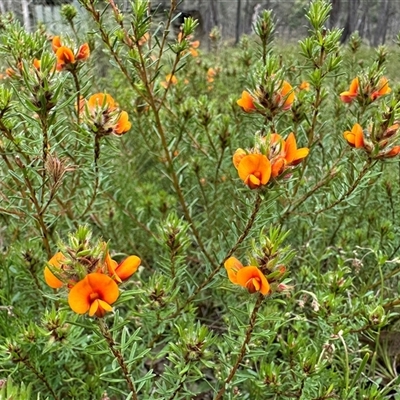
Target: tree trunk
<point>351,20</point>
<point>381,27</point>
<point>238,15</point>
<point>335,12</point>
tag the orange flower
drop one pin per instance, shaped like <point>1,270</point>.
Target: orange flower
<point>50,278</point>
<point>246,102</point>
<point>287,153</point>
<point>211,74</point>
<point>254,170</point>
<point>123,125</point>
<point>393,152</point>
<point>83,52</point>
<point>56,43</point>
<point>304,86</point>
<point>36,64</point>
<point>65,56</point>
<point>349,95</point>
<point>124,270</point>
<point>169,80</point>
<point>144,39</point>
<point>94,294</point>
<point>355,137</point>
<point>104,114</point>
<point>383,88</point>
<point>194,45</point>
<point>249,277</point>
<point>101,100</point>
<point>287,94</point>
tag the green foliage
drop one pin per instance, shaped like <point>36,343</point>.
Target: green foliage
<point>321,230</point>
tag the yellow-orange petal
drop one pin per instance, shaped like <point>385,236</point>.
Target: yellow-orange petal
<point>51,279</point>
<point>232,266</point>
<point>246,102</point>
<point>349,136</point>
<point>359,136</point>
<point>354,85</point>
<point>288,95</point>
<point>253,279</point>
<point>36,63</point>
<point>254,170</point>
<point>300,155</point>
<point>290,148</point>
<point>383,88</point>
<point>304,86</point>
<point>94,286</point>
<point>172,79</point>
<point>56,43</point>
<point>128,267</point>
<point>356,137</point>
<point>99,308</point>
<point>238,156</point>
<point>349,95</point>
<point>101,100</point>
<point>83,52</point>
<point>193,52</point>
<point>123,125</point>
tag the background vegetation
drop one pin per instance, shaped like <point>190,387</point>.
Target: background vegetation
<point>168,192</point>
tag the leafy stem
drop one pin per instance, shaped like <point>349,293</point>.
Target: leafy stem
<point>105,331</point>
<point>242,352</point>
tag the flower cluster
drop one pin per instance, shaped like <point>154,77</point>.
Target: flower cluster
<point>270,158</point>
<point>366,92</point>
<point>249,277</point>
<point>169,80</point>
<point>378,143</point>
<point>193,44</point>
<point>268,100</point>
<point>261,277</point>
<point>104,116</point>
<point>90,275</point>
<point>67,59</point>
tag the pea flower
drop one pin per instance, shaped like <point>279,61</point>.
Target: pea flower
<point>365,91</point>
<point>66,58</point>
<point>278,96</point>
<point>93,294</point>
<point>56,263</point>
<point>380,145</point>
<point>284,153</point>
<point>124,270</point>
<point>304,86</point>
<point>169,80</point>
<point>249,277</point>
<point>254,169</point>
<point>105,117</point>
<point>355,137</point>
<point>349,95</point>
<point>193,45</point>
<point>285,96</point>
<point>382,89</point>
<point>247,102</point>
